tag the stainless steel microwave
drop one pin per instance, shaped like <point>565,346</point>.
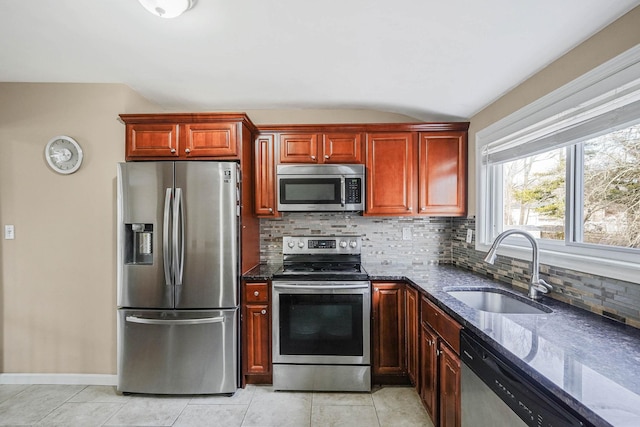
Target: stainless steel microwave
<point>317,188</point>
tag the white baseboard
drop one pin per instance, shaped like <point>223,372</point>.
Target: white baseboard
<point>72,379</point>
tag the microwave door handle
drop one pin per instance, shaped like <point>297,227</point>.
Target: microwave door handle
<point>342,195</point>
<point>166,252</point>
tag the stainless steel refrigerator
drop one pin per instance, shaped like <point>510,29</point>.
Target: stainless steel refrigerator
<point>178,274</point>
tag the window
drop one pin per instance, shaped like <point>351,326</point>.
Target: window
<point>567,169</point>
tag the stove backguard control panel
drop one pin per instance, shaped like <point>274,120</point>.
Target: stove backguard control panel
<point>348,245</point>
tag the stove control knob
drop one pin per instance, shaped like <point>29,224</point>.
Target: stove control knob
<point>353,244</point>
<point>343,243</point>
<point>291,244</point>
<point>301,244</point>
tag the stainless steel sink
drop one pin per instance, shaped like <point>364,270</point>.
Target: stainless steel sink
<point>497,301</point>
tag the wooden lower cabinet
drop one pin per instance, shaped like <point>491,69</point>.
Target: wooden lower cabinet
<point>389,359</point>
<point>256,334</point>
<point>429,372</point>
<point>440,365</point>
<point>412,325</point>
<point>449,367</point>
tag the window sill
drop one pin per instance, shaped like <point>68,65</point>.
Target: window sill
<point>619,269</point>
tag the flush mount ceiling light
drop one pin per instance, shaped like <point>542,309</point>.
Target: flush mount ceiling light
<point>167,8</point>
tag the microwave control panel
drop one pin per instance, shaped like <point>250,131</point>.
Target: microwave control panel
<point>353,189</point>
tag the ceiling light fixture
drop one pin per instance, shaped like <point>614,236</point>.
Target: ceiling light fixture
<point>167,8</point>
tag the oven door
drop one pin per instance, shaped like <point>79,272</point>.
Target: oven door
<point>319,322</point>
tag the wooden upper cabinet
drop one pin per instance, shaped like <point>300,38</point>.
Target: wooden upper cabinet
<point>209,140</point>
<point>182,136</point>
<point>442,177</point>
<point>342,148</point>
<point>298,148</point>
<point>390,173</point>
<point>265,184</point>
<point>152,140</point>
<point>321,147</point>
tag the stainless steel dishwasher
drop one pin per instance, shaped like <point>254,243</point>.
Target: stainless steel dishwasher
<point>496,394</point>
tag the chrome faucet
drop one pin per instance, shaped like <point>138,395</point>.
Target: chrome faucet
<point>537,286</point>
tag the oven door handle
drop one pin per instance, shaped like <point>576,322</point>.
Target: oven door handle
<point>321,287</point>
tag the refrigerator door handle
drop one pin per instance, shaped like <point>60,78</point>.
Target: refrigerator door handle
<point>170,322</point>
<point>166,254</point>
<point>178,237</point>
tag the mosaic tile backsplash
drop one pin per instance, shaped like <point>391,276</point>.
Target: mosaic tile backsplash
<point>382,238</point>
<point>436,240</point>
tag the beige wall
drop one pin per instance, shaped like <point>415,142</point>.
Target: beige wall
<point>57,277</point>
<point>613,40</point>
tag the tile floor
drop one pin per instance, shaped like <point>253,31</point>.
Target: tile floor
<point>259,406</point>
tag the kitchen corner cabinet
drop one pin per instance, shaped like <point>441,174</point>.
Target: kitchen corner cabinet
<point>185,136</point>
<point>416,173</point>
<point>389,359</point>
<point>256,333</point>
<point>439,365</point>
<point>412,322</point>
<point>265,176</point>
<point>337,147</point>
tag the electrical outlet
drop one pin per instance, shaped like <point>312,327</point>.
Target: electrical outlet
<point>9,232</point>
<point>406,233</point>
<point>469,235</point>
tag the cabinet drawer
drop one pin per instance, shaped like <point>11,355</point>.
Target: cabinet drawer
<point>256,292</point>
<point>442,323</point>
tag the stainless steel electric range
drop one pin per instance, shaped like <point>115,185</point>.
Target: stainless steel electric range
<point>321,316</point>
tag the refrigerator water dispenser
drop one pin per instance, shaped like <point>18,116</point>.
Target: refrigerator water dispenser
<point>139,244</point>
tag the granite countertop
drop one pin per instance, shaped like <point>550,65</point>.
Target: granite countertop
<point>590,362</point>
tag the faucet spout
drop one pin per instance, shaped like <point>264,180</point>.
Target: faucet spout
<point>537,286</point>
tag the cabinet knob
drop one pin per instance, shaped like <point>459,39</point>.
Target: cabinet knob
<point>173,150</point>
<point>313,157</point>
<point>326,156</point>
<point>270,210</point>
<point>376,289</point>
<point>256,293</point>
<point>424,208</point>
<point>187,150</point>
<point>263,312</point>
<point>409,208</point>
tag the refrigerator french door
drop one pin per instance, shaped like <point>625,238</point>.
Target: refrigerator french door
<point>178,275</point>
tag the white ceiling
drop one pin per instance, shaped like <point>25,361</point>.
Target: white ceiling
<point>430,59</point>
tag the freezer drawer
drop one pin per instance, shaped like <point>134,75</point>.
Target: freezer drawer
<point>178,352</point>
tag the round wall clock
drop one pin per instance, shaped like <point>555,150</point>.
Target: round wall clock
<point>63,154</point>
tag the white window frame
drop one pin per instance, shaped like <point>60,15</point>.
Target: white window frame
<point>607,89</point>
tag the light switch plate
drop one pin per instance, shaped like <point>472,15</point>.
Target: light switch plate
<point>406,233</point>
<point>9,232</point>
<point>469,235</point>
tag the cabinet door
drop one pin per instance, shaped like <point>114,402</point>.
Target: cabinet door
<point>151,140</point>
<point>298,148</point>
<point>412,330</point>
<point>449,387</point>
<point>442,173</point>
<point>429,372</point>
<point>210,140</point>
<point>257,342</point>
<point>342,148</point>
<point>388,330</point>
<point>265,186</point>
<point>390,173</point>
